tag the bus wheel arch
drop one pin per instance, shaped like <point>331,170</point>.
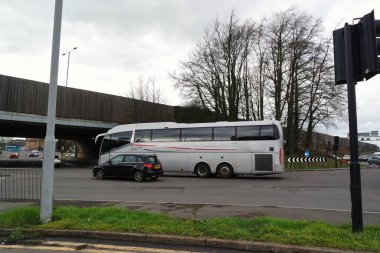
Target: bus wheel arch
<point>202,169</point>
<point>225,170</point>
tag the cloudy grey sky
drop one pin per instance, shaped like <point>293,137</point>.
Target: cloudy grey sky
<point>120,40</point>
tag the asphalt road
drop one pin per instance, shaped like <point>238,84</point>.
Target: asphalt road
<point>303,189</point>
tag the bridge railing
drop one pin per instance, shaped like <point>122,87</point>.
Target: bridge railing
<point>20,184</point>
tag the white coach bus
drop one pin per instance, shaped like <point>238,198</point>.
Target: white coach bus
<point>222,148</point>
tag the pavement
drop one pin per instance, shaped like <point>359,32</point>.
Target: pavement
<point>198,211</point>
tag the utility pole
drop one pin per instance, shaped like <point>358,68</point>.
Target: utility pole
<point>49,146</point>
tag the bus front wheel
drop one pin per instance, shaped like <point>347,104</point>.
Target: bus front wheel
<point>202,170</point>
<point>225,170</point>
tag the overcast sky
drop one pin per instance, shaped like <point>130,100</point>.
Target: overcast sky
<point>120,40</point>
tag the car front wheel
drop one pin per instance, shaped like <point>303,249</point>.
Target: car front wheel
<point>138,176</point>
<point>100,174</point>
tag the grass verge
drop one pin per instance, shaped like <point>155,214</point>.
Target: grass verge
<point>264,229</point>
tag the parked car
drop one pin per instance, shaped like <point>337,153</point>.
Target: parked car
<point>33,154</point>
<point>363,158</point>
<point>374,160</point>
<point>57,161</point>
<point>138,167</point>
<point>346,157</point>
<point>13,155</point>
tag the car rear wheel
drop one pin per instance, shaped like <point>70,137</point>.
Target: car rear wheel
<point>100,174</point>
<point>138,176</point>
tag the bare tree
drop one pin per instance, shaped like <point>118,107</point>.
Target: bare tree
<point>146,89</point>
<point>299,72</point>
<point>279,69</point>
<point>326,101</point>
<point>216,72</point>
<point>144,94</point>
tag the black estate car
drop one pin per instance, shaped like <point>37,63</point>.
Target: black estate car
<point>133,166</point>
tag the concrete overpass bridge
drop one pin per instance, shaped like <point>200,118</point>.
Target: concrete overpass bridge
<point>80,114</point>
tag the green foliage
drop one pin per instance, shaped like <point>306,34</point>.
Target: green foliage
<point>20,217</point>
<point>265,229</point>
<point>17,235</point>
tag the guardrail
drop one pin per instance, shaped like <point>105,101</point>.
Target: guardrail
<point>20,184</point>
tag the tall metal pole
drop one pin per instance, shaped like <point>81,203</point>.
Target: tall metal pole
<point>355,182</point>
<point>49,146</point>
<point>68,64</point>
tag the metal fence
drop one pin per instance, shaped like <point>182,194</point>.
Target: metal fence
<point>20,184</point>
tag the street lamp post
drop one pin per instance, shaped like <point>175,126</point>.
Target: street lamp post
<point>68,63</point>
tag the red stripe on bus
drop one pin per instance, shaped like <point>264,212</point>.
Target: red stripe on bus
<point>183,148</point>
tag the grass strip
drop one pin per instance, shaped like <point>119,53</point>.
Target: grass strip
<point>264,229</point>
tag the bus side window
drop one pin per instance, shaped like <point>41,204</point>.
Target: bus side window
<point>224,134</point>
<point>267,133</point>
<point>197,134</point>
<point>248,133</point>
<point>143,135</point>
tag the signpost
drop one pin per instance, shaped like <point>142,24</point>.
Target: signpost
<point>307,153</point>
<point>356,50</point>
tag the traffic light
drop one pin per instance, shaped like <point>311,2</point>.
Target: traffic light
<point>365,50</point>
<point>336,142</point>
<point>367,30</point>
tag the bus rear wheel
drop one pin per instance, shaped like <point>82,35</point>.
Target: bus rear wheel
<point>202,170</point>
<point>225,170</point>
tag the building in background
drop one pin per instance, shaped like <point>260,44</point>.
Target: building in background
<point>370,137</point>
<point>33,143</point>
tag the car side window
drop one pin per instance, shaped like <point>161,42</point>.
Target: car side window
<point>117,159</point>
<point>130,159</point>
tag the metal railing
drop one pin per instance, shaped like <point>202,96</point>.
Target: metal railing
<point>20,184</point>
